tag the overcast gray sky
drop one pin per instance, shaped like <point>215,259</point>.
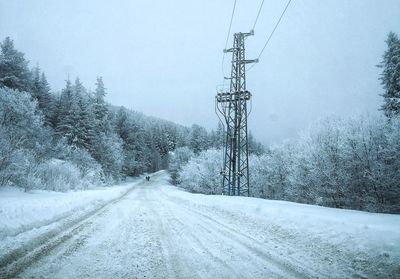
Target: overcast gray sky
<point>164,57</point>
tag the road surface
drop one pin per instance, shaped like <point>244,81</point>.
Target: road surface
<point>152,233</point>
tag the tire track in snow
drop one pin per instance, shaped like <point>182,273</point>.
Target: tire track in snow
<point>312,255</point>
<point>201,262</point>
<point>241,245</point>
<point>15,261</point>
<point>174,268</point>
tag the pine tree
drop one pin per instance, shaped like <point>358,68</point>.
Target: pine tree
<point>35,86</point>
<point>56,116</point>
<point>79,115</point>
<point>100,109</point>
<point>390,77</point>
<point>14,72</point>
<point>40,91</point>
<point>84,125</point>
<point>46,99</point>
<point>67,114</point>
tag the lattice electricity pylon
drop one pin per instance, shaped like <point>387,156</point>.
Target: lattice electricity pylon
<point>232,106</point>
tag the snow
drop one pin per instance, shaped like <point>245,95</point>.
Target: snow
<point>26,215</point>
<point>369,231</point>
<point>21,211</point>
<point>160,231</point>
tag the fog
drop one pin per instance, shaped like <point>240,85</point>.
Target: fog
<point>164,57</point>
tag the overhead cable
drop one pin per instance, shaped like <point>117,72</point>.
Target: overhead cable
<point>258,14</point>
<point>227,39</point>
<point>272,33</point>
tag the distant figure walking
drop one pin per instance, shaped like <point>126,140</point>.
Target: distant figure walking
<point>147,178</point>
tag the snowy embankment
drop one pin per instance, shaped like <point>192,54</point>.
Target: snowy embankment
<point>367,231</point>
<point>24,211</point>
<point>370,236</point>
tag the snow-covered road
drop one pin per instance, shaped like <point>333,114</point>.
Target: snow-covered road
<point>158,231</point>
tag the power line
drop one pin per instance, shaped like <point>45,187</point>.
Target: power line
<point>230,24</point>
<point>227,38</point>
<point>258,14</point>
<point>276,26</point>
<point>272,33</point>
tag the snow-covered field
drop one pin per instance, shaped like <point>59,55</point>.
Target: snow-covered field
<point>156,230</point>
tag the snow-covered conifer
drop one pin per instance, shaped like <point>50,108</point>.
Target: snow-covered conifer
<point>390,76</point>
<point>14,72</point>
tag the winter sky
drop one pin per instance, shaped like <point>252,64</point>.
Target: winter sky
<point>164,57</point>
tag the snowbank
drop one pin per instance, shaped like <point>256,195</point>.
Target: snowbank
<point>21,211</point>
<point>373,233</point>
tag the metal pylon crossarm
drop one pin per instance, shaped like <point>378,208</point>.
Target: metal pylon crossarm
<point>228,97</point>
